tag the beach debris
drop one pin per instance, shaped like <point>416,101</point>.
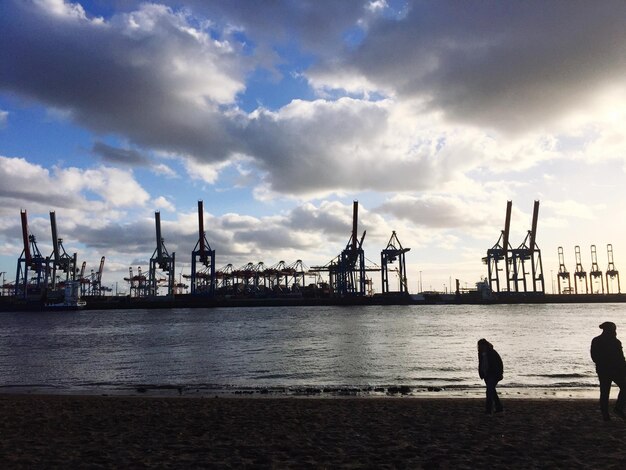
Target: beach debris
<point>402,390</point>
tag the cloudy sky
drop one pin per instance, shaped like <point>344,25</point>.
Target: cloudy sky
<point>278,114</point>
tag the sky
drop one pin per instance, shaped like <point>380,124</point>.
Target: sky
<point>279,114</point>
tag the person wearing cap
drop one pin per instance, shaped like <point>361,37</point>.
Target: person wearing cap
<point>490,369</point>
<point>607,353</point>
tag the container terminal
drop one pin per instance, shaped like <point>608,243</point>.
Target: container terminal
<point>514,275</point>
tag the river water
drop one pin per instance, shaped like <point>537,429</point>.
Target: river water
<point>363,350</point>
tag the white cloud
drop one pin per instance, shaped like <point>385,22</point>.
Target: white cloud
<point>162,202</point>
<point>206,172</point>
<point>163,170</point>
<point>24,183</point>
<point>4,116</point>
<point>62,8</point>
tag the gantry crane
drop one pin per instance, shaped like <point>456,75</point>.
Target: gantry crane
<point>225,279</point>
<point>161,260</point>
<point>528,251</point>
<point>393,252</point>
<point>611,272</point>
<point>580,274</point>
<point>563,274</point>
<point>203,279</point>
<point>95,286</point>
<point>500,253</point>
<point>31,261</point>
<point>346,272</point>
<point>595,273</point>
<point>137,285</point>
<point>63,265</point>
<point>83,281</point>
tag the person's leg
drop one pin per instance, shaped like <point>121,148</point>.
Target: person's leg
<point>605,390</point>
<point>496,398</point>
<point>621,397</point>
<point>491,394</point>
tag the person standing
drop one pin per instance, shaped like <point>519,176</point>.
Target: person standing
<point>607,353</point>
<point>490,369</point>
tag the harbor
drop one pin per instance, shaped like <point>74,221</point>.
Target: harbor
<point>514,275</point>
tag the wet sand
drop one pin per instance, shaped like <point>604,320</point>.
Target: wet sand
<point>39,431</point>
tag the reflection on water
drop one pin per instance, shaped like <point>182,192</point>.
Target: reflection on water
<point>419,346</point>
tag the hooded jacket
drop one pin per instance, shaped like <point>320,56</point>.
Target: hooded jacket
<point>490,365</point>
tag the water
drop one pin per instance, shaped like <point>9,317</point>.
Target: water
<point>545,349</point>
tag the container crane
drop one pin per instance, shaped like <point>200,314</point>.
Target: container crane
<point>611,272</point>
<point>346,272</point>
<point>563,274</point>
<point>203,278</point>
<point>528,251</point>
<point>394,252</point>
<point>63,265</point>
<point>500,253</point>
<point>31,260</point>
<point>580,274</point>
<point>96,280</point>
<point>161,260</point>
<point>595,274</point>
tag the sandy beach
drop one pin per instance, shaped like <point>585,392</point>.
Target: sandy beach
<point>115,432</point>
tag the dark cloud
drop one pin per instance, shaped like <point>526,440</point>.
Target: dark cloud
<point>318,26</point>
<point>507,65</point>
<point>117,155</point>
<point>144,76</point>
<point>163,81</point>
<point>129,238</point>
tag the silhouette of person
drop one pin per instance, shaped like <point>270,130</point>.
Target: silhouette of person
<point>490,369</point>
<point>606,352</point>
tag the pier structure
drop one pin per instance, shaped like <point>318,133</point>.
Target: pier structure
<point>580,275</point>
<point>203,276</point>
<point>595,274</point>
<point>563,275</point>
<point>392,253</point>
<point>63,265</point>
<point>33,269</point>
<point>161,261</point>
<point>612,274</point>
<point>528,252</point>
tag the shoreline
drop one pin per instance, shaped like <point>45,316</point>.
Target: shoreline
<point>115,432</point>
<point>11,304</point>
<point>171,391</point>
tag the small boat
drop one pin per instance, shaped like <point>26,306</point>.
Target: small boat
<point>67,299</point>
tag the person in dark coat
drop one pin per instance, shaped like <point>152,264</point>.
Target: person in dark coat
<point>606,352</point>
<point>490,369</point>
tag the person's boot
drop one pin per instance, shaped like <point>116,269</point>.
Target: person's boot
<point>619,412</point>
